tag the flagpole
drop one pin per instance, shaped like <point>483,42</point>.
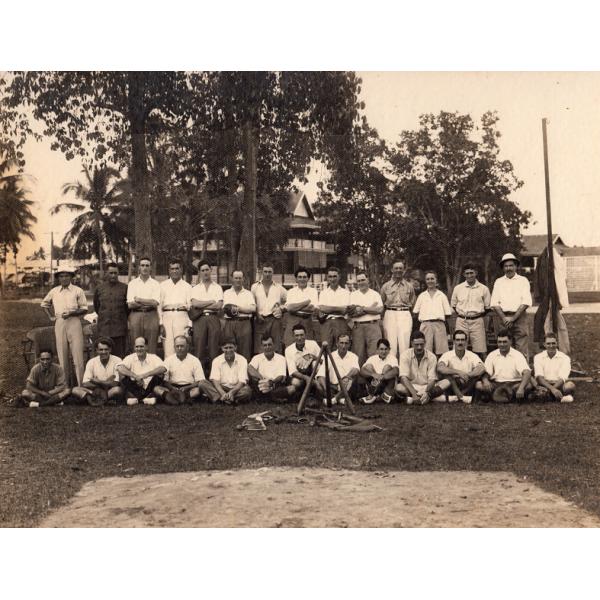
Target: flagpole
<point>551,277</point>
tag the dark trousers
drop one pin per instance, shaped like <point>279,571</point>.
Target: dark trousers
<point>119,346</point>
<point>269,325</point>
<point>207,339</point>
<point>132,388</point>
<point>241,331</point>
<point>291,321</point>
<point>330,330</point>
<point>144,324</point>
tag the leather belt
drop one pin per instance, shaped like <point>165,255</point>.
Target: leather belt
<point>331,318</point>
<point>472,317</point>
<point>395,308</point>
<point>433,321</point>
<point>366,322</point>
<point>143,309</point>
<point>174,309</point>
<point>509,312</point>
<point>238,318</point>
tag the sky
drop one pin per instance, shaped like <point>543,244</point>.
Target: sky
<point>394,101</point>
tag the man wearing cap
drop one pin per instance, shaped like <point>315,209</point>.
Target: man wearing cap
<point>471,300</point>
<point>143,300</point>
<point>269,297</point>
<point>110,304</point>
<point>69,304</point>
<point>267,373</point>
<point>184,379</point>
<point>552,369</point>
<point>45,384</point>
<point>366,308</point>
<point>301,303</point>
<point>507,374</point>
<point>229,375</point>
<point>175,301</point>
<point>300,358</point>
<point>207,301</point>
<point>101,379</point>
<point>140,373</point>
<point>398,295</point>
<point>239,307</point>
<point>334,301</point>
<point>510,298</point>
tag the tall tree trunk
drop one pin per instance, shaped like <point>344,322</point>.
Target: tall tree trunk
<point>247,253</point>
<point>4,265</point>
<point>16,267</point>
<point>100,248</point>
<point>129,262</point>
<point>136,114</point>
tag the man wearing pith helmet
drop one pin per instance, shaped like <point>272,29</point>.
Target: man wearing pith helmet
<point>511,297</point>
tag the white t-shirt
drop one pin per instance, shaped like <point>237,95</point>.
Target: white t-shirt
<point>506,368</point>
<point>430,307</point>
<point>378,364</point>
<point>367,299</point>
<point>292,354</point>
<point>552,369</point>
<point>269,369</point>
<point>184,372</point>
<point>133,363</point>
<point>229,375</point>
<point>467,363</point>
<point>94,369</point>
<point>344,365</point>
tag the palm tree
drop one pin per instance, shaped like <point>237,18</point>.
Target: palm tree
<point>94,227</point>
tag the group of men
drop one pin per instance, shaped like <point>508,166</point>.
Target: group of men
<point>253,349</point>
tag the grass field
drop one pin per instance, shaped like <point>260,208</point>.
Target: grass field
<point>47,455</point>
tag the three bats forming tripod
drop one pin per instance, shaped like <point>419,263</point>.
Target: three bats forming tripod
<point>325,354</point>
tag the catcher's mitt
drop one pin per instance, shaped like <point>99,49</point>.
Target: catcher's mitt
<point>264,386</point>
<point>352,310</point>
<point>98,397</point>
<point>304,363</point>
<point>231,310</point>
<point>175,397</point>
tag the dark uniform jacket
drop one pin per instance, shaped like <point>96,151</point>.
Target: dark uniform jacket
<point>110,303</point>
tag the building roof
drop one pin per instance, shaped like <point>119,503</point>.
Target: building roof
<point>299,206</point>
<point>533,245</point>
<point>582,251</point>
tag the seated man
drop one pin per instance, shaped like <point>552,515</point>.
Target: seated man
<point>300,358</point>
<point>100,379</point>
<point>461,370</point>
<point>184,379</point>
<point>552,369</point>
<point>140,373</point>
<point>507,376</point>
<point>267,372</point>
<point>229,375</point>
<point>418,373</point>
<point>348,367</point>
<point>45,384</point>
<point>380,371</point>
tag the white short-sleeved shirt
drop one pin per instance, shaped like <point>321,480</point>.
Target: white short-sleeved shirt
<point>184,372</point>
<point>506,368</point>
<point>228,375</point>
<point>378,364</point>
<point>367,299</point>
<point>293,354</point>
<point>94,369</point>
<point>344,365</point>
<point>430,307</point>
<point>133,363</point>
<point>418,372</point>
<point>552,369</point>
<point>511,293</point>
<point>149,289</point>
<point>467,363</point>
<point>269,369</point>
<point>64,299</point>
<point>469,300</point>
<point>244,299</point>
<point>173,295</point>
<point>265,303</point>
<point>296,295</point>
<point>214,292</point>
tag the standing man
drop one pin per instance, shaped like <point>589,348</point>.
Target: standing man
<point>239,307</point>
<point>140,373</point>
<point>367,307</point>
<point>552,369</point>
<point>175,301</point>
<point>471,300</point>
<point>380,372</point>
<point>207,301</point>
<point>398,295</point>
<point>267,373</point>
<point>507,374</point>
<point>269,298</point>
<point>110,304</point>
<point>334,301</point>
<point>461,370</point>
<point>432,308</point>
<point>300,358</point>
<point>229,375</point>
<point>69,304</point>
<point>46,384</point>
<point>143,300</point>
<point>184,379</point>
<point>101,379</point>
<point>348,367</point>
<point>302,301</point>
<point>510,298</point>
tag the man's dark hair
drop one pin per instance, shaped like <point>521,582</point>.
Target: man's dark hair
<point>228,341</point>
<point>112,265</point>
<point>298,327</point>
<point>383,341</point>
<point>550,335</point>
<point>417,335</point>
<point>341,335</point>
<point>202,263</point>
<point>459,332</point>
<point>302,270</point>
<point>469,266</point>
<point>505,333</point>
<point>145,258</point>
<point>104,340</point>
<point>175,261</point>
<point>335,269</point>
<point>266,336</point>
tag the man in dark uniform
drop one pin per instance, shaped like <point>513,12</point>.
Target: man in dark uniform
<point>110,304</point>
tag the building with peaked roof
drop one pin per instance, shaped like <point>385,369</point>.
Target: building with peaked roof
<point>533,246</point>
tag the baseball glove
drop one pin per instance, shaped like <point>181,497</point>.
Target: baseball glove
<point>304,363</point>
<point>264,386</point>
<point>231,310</point>
<point>175,397</point>
<point>98,397</point>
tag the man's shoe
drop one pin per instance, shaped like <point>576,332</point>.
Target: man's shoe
<point>409,400</point>
<point>366,399</point>
<point>453,398</point>
<point>440,398</point>
<point>567,398</point>
<point>386,398</point>
<point>132,401</point>
<point>149,400</point>
<point>34,404</point>
<point>467,399</point>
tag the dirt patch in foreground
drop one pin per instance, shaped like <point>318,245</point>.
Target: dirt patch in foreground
<point>304,497</point>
